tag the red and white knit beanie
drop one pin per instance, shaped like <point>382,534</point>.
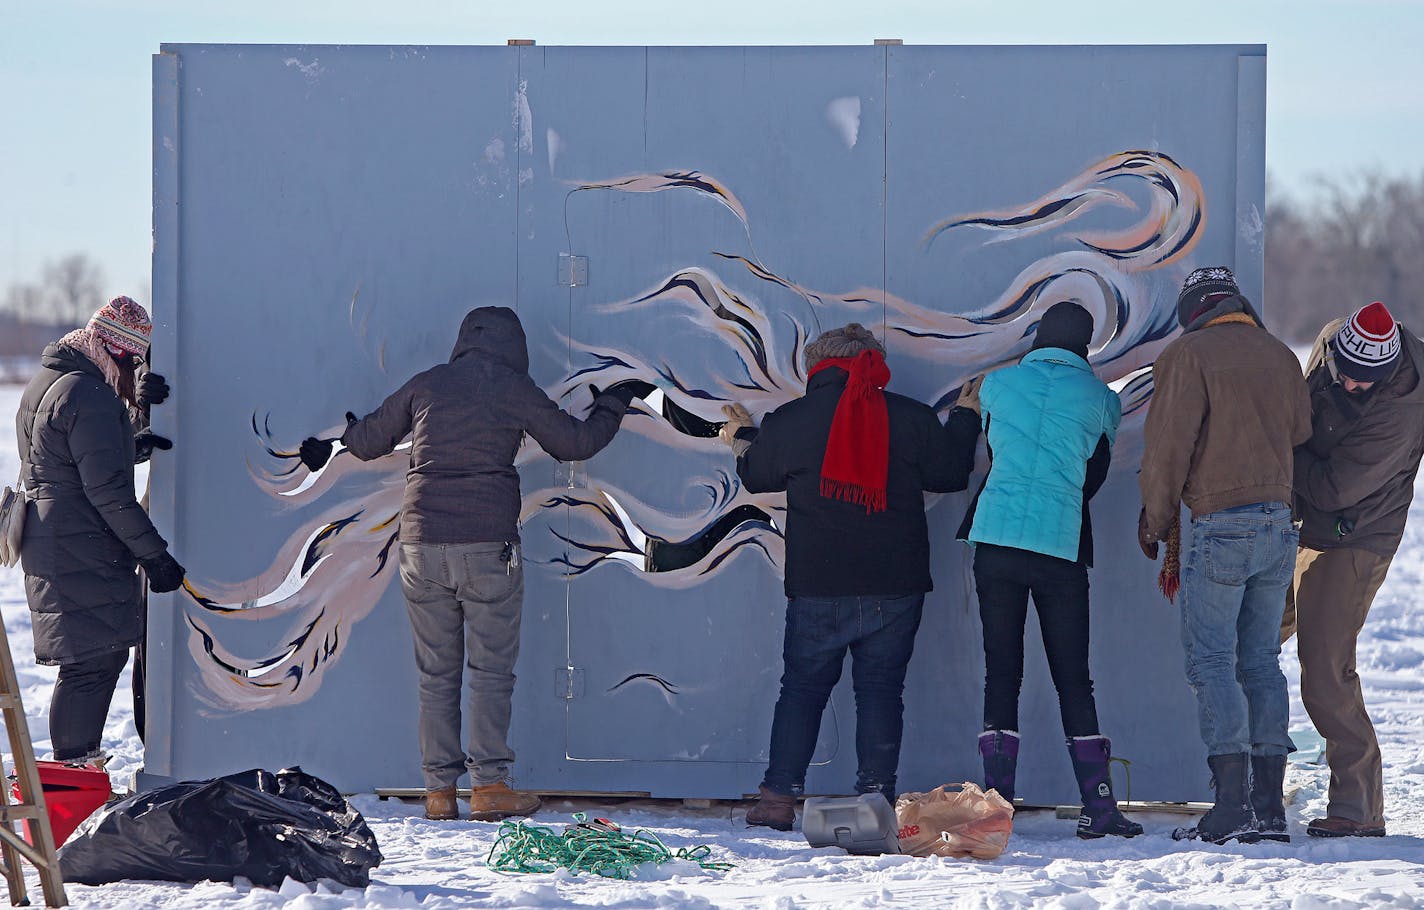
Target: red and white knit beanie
<point>123,326</point>
<point>1367,345</point>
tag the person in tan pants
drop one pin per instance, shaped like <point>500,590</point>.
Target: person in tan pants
<point>1333,591</point>
<point>1354,482</point>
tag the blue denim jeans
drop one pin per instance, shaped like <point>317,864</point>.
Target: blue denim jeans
<point>880,634</point>
<point>1234,583</point>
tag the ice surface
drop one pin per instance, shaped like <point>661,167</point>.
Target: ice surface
<point>439,865</point>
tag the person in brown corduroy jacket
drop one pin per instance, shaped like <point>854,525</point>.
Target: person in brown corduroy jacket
<point>1228,408</point>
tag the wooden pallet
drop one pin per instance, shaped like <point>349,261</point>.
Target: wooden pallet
<point>413,794</point>
<point>31,807</point>
<point>1136,805</point>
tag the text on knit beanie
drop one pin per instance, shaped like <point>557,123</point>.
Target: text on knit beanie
<point>1367,344</point>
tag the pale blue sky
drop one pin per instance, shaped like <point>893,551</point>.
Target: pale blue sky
<point>1345,83</point>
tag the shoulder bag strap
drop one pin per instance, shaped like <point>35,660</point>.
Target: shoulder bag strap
<point>34,427</point>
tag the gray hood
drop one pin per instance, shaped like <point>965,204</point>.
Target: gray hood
<point>493,333</point>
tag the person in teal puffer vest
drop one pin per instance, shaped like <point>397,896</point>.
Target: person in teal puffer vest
<point>1050,425</point>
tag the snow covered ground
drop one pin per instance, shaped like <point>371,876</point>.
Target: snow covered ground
<point>441,864</point>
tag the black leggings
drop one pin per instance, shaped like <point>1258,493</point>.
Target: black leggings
<point>80,704</point>
<point>1005,577</point>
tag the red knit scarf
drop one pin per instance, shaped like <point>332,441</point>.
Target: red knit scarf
<point>858,449</point>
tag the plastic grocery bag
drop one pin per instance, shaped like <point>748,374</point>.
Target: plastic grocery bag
<point>256,824</point>
<point>962,821</point>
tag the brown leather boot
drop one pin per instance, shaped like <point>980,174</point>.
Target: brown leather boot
<point>440,804</point>
<point>495,801</point>
<point>773,810</point>
<point>1334,826</point>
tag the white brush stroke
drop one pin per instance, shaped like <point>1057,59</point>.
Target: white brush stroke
<point>843,114</point>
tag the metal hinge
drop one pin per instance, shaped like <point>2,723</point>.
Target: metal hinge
<point>573,270</point>
<point>566,474</point>
<point>568,682</point>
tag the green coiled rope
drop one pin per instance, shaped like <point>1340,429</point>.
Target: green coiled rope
<point>524,848</point>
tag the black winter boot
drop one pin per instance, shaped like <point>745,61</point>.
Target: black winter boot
<point>1101,815</point>
<point>870,782</point>
<point>1268,796</point>
<point>1232,817</point>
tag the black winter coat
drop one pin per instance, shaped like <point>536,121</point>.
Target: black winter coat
<point>466,419</point>
<point>835,548</point>
<point>84,529</point>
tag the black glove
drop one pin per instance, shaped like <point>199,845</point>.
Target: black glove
<point>164,573</point>
<point>1145,538</point>
<point>146,441</point>
<point>315,453</point>
<point>152,389</point>
<point>626,390</point>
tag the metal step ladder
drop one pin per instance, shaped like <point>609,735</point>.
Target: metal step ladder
<point>31,807</point>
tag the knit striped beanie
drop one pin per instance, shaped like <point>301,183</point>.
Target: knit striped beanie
<point>1367,344</point>
<point>122,325</point>
<point>1201,289</point>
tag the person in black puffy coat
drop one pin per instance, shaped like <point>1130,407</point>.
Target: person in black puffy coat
<point>85,532</point>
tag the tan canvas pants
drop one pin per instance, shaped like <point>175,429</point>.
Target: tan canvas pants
<point>1329,601</point>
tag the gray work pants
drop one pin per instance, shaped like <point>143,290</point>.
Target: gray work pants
<point>465,603</point>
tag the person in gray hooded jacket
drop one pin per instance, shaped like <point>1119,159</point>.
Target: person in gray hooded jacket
<point>459,557</point>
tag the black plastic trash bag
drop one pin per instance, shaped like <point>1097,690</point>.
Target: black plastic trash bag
<point>255,824</point>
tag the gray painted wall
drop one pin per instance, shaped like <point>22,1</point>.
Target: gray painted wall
<point>324,216</point>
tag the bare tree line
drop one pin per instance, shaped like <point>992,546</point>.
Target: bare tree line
<point>32,314</point>
<point>1357,239</point>
<point>1354,240</point>
<point>68,291</point>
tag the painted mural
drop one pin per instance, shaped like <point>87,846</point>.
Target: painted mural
<point>754,323</point>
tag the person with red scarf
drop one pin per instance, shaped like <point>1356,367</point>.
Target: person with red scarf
<point>854,462</point>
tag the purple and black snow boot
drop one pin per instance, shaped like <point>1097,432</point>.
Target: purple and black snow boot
<point>1000,751</point>
<point>1101,816</point>
<point>1231,818</point>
